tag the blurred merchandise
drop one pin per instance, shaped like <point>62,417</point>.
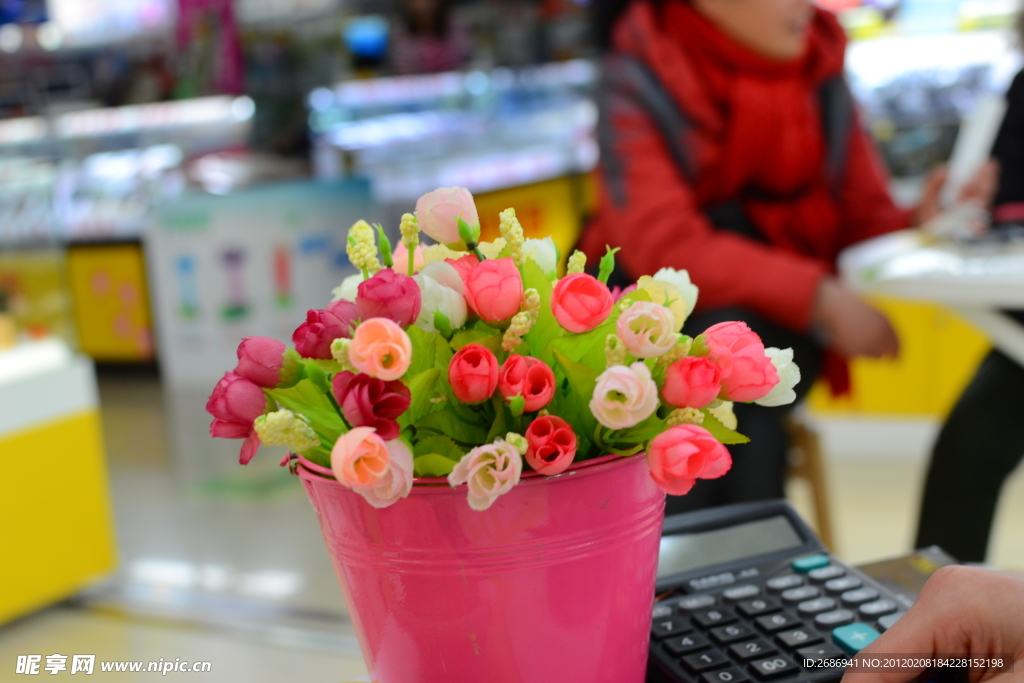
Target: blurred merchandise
<point>111,302</point>
<point>245,263</point>
<point>49,413</point>
<point>8,328</point>
<point>34,280</point>
<point>481,130</point>
<point>210,51</point>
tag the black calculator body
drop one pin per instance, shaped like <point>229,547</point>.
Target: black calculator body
<point>748,594</point>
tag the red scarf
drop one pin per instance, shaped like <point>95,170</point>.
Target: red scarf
<point>763,136</point>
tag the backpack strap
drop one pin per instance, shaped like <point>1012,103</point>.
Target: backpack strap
<point>837,119</point>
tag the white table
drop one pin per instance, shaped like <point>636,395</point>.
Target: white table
<point>977,281</point>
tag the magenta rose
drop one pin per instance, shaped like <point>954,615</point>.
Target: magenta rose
<point>692,382</point>
<point>551,445</point>
<point>681,455</point>
<point>473,373</point>
<point>747,373</point>
<point>389,294</point>
<point>260,360</point>
<point>235,403</point>
<point>313,338</point>
<point>528,377</point>
<point>494,289</point>
<point>581,302</point>
<point>370,402</point>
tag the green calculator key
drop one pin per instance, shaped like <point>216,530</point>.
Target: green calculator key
<point>808,562</point>
<point>854,637</point>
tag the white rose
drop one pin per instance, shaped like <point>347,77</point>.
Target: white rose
<point>680,279</point>
<point>348,288</point>
<point>544,253</point>
<point>441,290</point>
<point>789,376</point>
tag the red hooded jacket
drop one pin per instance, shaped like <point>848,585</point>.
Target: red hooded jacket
<point>753,134</point>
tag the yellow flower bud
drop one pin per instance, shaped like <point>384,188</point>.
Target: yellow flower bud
<point>577,262</point>
<point>684,416</point>
<point>285,428</point>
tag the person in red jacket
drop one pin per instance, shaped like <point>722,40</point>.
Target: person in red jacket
<point>731,147</point>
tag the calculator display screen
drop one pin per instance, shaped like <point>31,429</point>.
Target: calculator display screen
<point>683,552</point>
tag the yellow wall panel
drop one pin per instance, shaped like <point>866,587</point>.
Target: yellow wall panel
<point>57,533</point>
<point>108,285</point>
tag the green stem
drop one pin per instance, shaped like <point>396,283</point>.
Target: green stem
<point>412,260</point>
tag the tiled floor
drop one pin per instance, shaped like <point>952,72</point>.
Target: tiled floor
<point>226,564</point>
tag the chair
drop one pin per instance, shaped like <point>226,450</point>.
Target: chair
<point>806,462</point>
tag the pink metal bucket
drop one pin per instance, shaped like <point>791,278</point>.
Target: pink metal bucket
<point>553,584</point>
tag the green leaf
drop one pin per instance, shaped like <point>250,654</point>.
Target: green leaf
<point>720,431</point>
<point>317,374</point>
<point>573,405</point>
<point>433,465</point>
<point>446,422</point>
<point>478,334</point>
<point>502,420</point>
<point>425,347</point>
<point>439,444</point>
<point>306,398</point>
<point>421,388</point>
<point>546,329</point>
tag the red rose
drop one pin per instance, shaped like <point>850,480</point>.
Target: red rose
<point>370,402</point>
<point>260,360</point>
<point>494,289</point>
<point>473,373</point>
<point>313,338</point>
<point>692,382</point>
<point>581,302</point>
<point>552,445</point>
<point>389,294</point>
<point>528,377</point>
<point>235,403</point>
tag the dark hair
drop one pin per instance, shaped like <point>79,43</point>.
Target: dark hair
<point>604,14</point>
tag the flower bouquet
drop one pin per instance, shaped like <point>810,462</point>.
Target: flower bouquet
<point>446,379</point>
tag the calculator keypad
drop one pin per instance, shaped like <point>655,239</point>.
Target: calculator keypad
<point>765,630</point>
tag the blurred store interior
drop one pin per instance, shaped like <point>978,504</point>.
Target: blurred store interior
<point>178,174</point>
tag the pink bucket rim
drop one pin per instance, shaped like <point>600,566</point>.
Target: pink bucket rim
<point>312,472</point>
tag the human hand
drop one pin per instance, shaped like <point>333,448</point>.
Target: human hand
<point>979,191</point>
<point>852,326</point>
<point>960,611</point>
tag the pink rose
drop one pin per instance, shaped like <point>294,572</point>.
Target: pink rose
<point>437,213</point>
<point>528,377</point>
<point>494,289</point>
<point>380,472</point>
<point>313,338</point>
<point>235,403</point>
<point>389,294</point>
<point>552,445</point>
<point>489,471</point>
<point>401,258</point>
<point>624,396</point>
<point>381,349</point>
<point>692,382</point>
<point>463,265</point>
<point>648,330</point>
<point>681,455</point>
<point>473,373</point>
<point>581,302</point>
<point>260,360</point>
<point>370,402</point>
<point>747,372</point>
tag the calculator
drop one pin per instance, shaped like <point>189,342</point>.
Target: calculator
<point>748,594</point>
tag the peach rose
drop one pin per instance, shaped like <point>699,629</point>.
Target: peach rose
<point>692,382</point>
<point>581,302</point>
<point>747,372</point>
<point>681,455</point>
<point>437,213</point>
<point>647,329</point>
<point>381,349</point>
<point>381,472</point>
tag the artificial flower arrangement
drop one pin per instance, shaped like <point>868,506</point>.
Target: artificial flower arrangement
<point>476,362</point>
